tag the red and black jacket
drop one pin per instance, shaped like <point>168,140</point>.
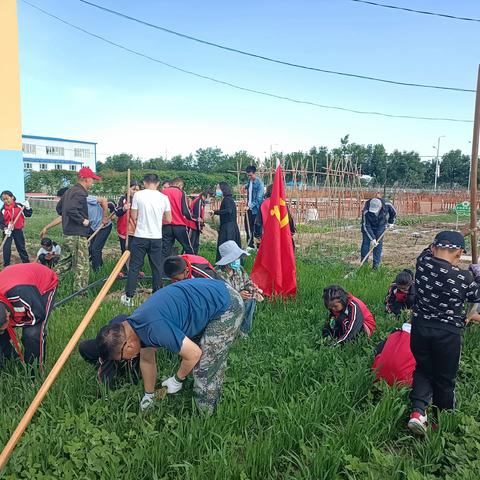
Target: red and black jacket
<point>178,203</point>
<point>396,301</point>
<point>199,267</point>
<point>27,291</point>
<point>197,207</point>
<point>346,325</point>
<point>9,213</point>
<point>394,361</point>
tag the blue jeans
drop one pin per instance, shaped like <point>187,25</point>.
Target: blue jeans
<point>250,306</point>
<point>377,251</point>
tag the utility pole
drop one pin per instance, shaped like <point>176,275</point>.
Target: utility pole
<point>473,173</point>
<point>437,165</point>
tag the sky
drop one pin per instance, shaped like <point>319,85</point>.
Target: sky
<point>75,86</point>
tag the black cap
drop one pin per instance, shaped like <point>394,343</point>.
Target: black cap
<point>450,239</point>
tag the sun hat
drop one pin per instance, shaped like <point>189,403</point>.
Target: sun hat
<point>86,172</point>
<point>375,205</point>
<point>450,239</point>
<point>229,252</point>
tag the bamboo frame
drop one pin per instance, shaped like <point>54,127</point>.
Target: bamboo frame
<point>473,174</point>
<point>42,392</point>
<point>128,211</point>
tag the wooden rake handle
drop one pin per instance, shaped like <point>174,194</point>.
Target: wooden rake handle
<point>42,392</point>
<point>13,223</point>
<point>94,234</point>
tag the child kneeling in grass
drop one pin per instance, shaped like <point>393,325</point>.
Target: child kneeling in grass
<point>401,294</point>
<point>348,315</point>
<point>438,321</point>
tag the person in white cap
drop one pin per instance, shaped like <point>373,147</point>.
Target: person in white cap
<point>231,270</point>
<point>377,215</point>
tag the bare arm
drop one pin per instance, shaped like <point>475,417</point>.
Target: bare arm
<point>103,202</point>
<point>190,353</point>
<point>134,215</point>
<point>52,224</point>
<point>167,217</point>
<point>148,367</point>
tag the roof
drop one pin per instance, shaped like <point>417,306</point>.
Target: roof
<point>51,160</point>
<point>36,137</point>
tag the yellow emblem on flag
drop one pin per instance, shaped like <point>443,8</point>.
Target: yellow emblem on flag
<point>276,211</point>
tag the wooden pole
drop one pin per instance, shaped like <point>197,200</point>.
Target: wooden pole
<point>128,211</point>
<point>95,233</point>
<point>13,224</point>
<point>473,174</point>
<point>7,451</point>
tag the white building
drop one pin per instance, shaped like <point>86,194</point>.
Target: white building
<point>48,153</point>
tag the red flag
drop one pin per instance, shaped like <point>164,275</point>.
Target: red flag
<point>274,268</point>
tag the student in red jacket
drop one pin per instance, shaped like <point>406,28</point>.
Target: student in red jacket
<point>401,294</point>
<point>11,211</point>
<point>177,229</point>
<point>197,207</point>
<point>349,316</point>
<point>26,297</point>
<point>184,267</point>
<point>394,361</point>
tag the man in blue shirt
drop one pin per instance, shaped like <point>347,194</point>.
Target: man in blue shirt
<point>98,214</point>
<point>255,190</point>
<point>171,318</point>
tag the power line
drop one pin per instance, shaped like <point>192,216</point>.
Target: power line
<point>239,87</point>
<point>412,10</point>
<point>273,60</point>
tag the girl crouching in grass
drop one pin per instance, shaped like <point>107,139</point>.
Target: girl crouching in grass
<point>401,294</point>
<point>349,316</point>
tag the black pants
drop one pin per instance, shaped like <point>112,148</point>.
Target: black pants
<point>249,227</point>
<point>139,247</point>
<point>110,370</point>
<point>170,233</point>
<point>437,353</point>
<point>95,247</point>
<point>19,239</point>
<point>195,240</point>
<point>42,258</point>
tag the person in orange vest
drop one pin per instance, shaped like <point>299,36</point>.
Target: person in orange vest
<point>177,229</point>
<point>349,316</point>
<point>26,296</point>
<point>394,361</point>
<point>12,212</point>
<point>184,267</point>
<point>197,207</point>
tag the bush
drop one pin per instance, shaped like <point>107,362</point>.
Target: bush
<point>114,183</point>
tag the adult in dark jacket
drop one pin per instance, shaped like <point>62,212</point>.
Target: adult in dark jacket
<point>26,296</point>
<point>228,218</point>
<point>73,209</point>
<point>376,216</point>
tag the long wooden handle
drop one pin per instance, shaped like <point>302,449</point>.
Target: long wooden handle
<point>14,222</point>
<point>7,451</point>
<point>379,239</point>
<point>94,234</point>
<point>128,211</point>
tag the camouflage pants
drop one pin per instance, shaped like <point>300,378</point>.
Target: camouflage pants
<point>75,257</point>
<point>215,343</point>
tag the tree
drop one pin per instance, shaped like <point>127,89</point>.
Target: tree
<point>157,163</point>
<point>405,169</point>
<point>454,169</point>
<point>209,159</point>
<point>181,163</point>
<point>122,162</point>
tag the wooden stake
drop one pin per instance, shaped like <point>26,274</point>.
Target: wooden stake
<point>13,223</point>
<point>7,451</point>
<point>473,174</point>
<point>128,211</point>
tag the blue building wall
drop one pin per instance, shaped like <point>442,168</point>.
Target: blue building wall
<point>11,173</point>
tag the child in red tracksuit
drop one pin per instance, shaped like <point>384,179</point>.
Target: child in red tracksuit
<point>26,296</point>
<point>348,315</point>
<point>401,294</point>
<point>12,221</point>
<point>394,361</point>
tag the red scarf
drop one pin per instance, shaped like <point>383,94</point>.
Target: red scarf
<point>10,330</point>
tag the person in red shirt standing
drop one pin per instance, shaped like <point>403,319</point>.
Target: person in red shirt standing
<point>26,296</point>
<point>197,208</point>
<point>394,361</point>
<point>349,316</point>
<point>177,229</point>
<point>10,212</point>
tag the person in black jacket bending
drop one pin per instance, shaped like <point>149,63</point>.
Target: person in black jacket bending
<point>401,294</point>
<point>76,226</point>
<point>377,214</point>
<point>228,217</point>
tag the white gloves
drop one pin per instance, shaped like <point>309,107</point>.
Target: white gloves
<point>8,231</point>
<point>391,226</point>
<point>374,243</point>
<point>147,401</point>
<point>26,204</point>
<point>172,384</point>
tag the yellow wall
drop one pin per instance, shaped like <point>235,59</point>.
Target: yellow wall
<point>10,119</point>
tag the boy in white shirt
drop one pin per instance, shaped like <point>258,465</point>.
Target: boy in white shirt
<point>49,253</point>
<point>150,208</point>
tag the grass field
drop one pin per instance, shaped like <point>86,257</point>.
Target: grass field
<point>293,407</point>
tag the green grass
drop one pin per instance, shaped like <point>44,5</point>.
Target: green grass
<point>293,407</point>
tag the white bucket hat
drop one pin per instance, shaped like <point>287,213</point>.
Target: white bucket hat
<point>229,251</point>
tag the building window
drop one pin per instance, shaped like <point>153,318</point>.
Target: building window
<point>29,148</point>
<point>82,152</point>
<point>27,166</point>
<point>58,166</point>
<point>58,151</point>
<point>72,168</point>
<point>43,166</point>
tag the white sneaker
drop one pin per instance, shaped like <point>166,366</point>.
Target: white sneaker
<point>250,249</point>
<point>127,301</point>
<point>417,423</point>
